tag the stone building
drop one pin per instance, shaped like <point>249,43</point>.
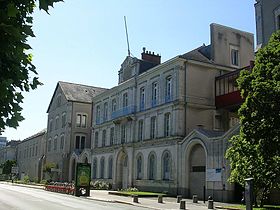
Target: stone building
<point>267,14</point>
<point>69,126</point>
<point>31,156</point>
<point>159,129</point>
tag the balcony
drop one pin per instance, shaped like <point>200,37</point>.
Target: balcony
<point>154,102</point>
<point>226,93</point>
<point>168,98</point>
<point>124,112</point>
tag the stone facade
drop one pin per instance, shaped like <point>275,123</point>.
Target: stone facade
<point>157,130</point>
<point>31,156</point>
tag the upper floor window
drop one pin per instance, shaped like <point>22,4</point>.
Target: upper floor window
<point>103,138</point>
<point>51,125</point>
<point>80,142</point>
<point>153,127</point>
<point>140,130</point>
<point>114,105</point>
<point>56,122</point>
<point>125,100</point>
<point>234,54</point>
<point>58,101</point>
<point>81,120</point>
<point>49,144</point>
<point>112,134</point>
<point>96,139</point>
<point>98,114</point>
<point>55,143</point>
<point>123,134</point>
<point>142,98</point>
<point>154,93</point>
<point>168,88</point>
<point>61,142</point>
<point>63,120</point>
<point>105,114</point>
<point>167,124</point>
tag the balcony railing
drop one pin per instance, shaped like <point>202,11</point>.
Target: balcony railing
<point>124,111</point>
<point>168,98</point>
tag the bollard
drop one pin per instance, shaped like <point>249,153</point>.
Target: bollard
<point>135,198</point>
<point>194,198</point>
<point>179,198</point>
<point>160,200</point>
<point>210,203</point>
<point>182,205</point>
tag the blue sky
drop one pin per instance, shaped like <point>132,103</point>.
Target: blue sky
<point>84,41</point>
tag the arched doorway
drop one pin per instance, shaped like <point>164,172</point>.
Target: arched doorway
<point>122,171</point>
<point>197,168</point>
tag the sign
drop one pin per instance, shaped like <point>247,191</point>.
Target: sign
<point>214,175</point>
<point>14,170</point>
<point>82,179</point>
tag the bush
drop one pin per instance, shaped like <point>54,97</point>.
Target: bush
<point>44,181</point>
<point>26,179</point>
<point>101,185</point>
<point>130,189</point>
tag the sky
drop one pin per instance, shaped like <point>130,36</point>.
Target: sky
<point>85,42</point>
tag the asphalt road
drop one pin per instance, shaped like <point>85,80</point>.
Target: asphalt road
<point>22,198</point>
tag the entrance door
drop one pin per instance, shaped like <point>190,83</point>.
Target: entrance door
<point>197,171</point>
<point>125,173</point>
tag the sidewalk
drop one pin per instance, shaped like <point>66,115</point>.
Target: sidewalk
<point>150,203</point>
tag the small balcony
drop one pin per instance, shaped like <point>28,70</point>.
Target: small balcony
<point>168,98</point>
<point>227,94</point>
<point>124,111</point>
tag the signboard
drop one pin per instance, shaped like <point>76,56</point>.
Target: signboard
<point>214,175</point>
<point>82,179</point>
<point>14,170</point>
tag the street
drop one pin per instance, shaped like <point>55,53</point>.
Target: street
<point>22,198</point>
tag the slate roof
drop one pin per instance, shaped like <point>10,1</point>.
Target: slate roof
<point>77,92</point>
<point>40,133</point>
<point>202,54</point>
<point>210,133</point>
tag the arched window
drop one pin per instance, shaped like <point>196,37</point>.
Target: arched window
<point>102,162</point>
<point>152,167</point>
<point>139,166</point>
<point>166,166</point>
<point>94,168</point>
<point>110,168</point>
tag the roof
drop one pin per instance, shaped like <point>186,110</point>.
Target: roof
<point>210,133</point>
<point>77,92</point>
<point>40,133</point>
<point>202,54</point>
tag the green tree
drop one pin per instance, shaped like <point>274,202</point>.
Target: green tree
<point>17,73</point>
<point>7,166</point>
<point>255,152</point>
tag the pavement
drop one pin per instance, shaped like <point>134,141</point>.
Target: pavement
<point>147,202</point>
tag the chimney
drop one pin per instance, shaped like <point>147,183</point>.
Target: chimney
<point>150,57</point>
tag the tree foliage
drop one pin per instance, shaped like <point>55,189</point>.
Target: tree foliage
<point>7,166</point>
<point>255,152</point>
<point>17,73</point>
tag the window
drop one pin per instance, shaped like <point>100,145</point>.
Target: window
<point>167,124</point>
<point>62,142</point>
<point>63,120</point>
<point>56,122</point>
<point>94,168</point>
<point>140,130</point>
<point>51,125</point>
<point>110,168</point>
<point>55,143</point>
<point>33,150</point>
<point>166,166</point>
<point>168,89</point>
<point>105,115</point>
<point>152,167</point>
<point>114,105</point>
<point>80,142</point>
<point>154,93</point>
<point>125,100</point>
<point>278,22</point>
<point>153,127</point>
<point>49,145</point>
<point>36,150</point>
<point>139,167</point>
<point>112,134</point>
<point>123,134</point>
<point>97,114</point>
<point>103,138</point>
<point>234,56</point>
<point>96,139</point>
<point>81,120</point>
<point>58,101</point>
<point>102,162</point>
<point>142,98</point>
